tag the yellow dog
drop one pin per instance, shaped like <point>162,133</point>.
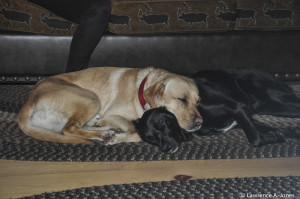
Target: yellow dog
<point>100,103</point>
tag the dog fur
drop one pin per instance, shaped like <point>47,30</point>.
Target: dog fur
<point>231,97</point>
<point>99,103</point>
<point>160,127</point>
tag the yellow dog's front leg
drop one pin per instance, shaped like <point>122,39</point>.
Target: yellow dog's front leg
<point>124,129</point>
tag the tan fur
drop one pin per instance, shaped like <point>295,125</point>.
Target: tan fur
<point>66,108</point>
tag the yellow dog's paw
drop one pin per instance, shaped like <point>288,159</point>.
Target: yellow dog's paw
<point>116,130</point>
<point>111,140</point>
<point>116,138</point>
<point>123,137</point>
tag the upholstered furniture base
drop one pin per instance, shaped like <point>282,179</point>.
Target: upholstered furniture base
<point>24,56</point>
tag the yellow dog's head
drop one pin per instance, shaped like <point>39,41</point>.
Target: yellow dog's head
<point>180,96</point>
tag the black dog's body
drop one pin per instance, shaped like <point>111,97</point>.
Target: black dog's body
<point>160,127</point>
<point>231,97</point>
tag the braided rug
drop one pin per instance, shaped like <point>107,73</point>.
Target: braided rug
<point>15,145</point>
<point>262,187</point>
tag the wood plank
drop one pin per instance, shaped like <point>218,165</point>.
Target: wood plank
<point>25,178</point>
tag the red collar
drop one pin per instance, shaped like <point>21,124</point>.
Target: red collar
<point>141,91</point>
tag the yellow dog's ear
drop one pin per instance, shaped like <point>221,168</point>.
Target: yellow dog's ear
<point>154,93</point>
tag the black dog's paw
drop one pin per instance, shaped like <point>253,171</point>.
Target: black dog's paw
<point>291,132</point>
<point>203,131</point>
<point>268,138</point>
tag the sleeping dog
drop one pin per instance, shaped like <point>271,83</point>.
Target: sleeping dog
<point>160,127</point>
<point>100,103</point>
<point>231,97</point>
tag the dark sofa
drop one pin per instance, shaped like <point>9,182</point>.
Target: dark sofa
<point>32,50</point>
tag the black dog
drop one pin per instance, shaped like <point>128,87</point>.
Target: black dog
<point>160,127</point>
<point>230,97</point>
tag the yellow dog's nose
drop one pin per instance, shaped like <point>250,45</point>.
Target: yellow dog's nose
<point>198,121</point>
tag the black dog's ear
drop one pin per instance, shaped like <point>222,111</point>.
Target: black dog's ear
<point>136,122</point>
<point>186,136</point>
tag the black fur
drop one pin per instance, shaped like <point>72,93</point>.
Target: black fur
<point>160,127</point>
<point>236,95</point>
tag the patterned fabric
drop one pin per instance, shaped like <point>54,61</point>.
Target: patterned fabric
<point>20,15</point>
<point>231,188</point>
<point>15,145</point>
<point>162,16</point>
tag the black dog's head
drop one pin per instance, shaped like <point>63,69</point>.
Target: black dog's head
<point>160,127</point>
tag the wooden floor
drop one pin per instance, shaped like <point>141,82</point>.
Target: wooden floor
<point>24,178</point>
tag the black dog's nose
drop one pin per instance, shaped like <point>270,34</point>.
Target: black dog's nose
<point>169,149</point>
